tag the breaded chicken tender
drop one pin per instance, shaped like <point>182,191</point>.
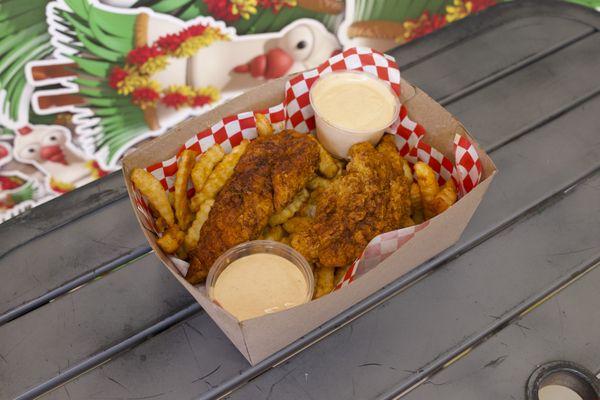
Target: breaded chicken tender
<point>353,209</point>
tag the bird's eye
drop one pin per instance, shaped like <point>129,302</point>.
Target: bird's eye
<point>301,44</point>
<point>53,138</point>
<point>29,152</point>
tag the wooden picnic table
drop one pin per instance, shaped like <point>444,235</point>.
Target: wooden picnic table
<point>86,312</point>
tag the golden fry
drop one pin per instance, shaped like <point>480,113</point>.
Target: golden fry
<point>339,274</point>
<point>291,209</point>
<point>428,185</point>
<point>445,198</point>
<point>318,183</point>
<point>273,233</point>
<point>324,277</point>
<point>181,253</point>
<point>182,206</point>
<point>219,176</point>
<point>286,240</point>
<point>171,240</point>
<point>205,165</point>
<point>263,125</point>
<point>150,187</point>
<point>407,171</point>
<point>327,164</point>
<point>416,204</point>
<point>171,196</point>
<point>193,234</point>
<point>161,224</point>
<point>297,224</point>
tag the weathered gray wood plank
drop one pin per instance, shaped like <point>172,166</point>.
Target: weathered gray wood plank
<point>42,343</point>
<point>55,213</point>
<point>70,251</point>
<point>525,189</point>
<point>566,327</point>
<point>531,93</point>
<point>457,67</point>
<point>491,19</point>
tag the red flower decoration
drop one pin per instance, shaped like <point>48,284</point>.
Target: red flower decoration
<point>141,54</point>
<point>426,24</point>
<point>196,30</point>
<point>174,100</point>
<point>169,42</point>
<point>145,94</point>
<point>480,5</point>
<point>275,5</point>
<point>221,9</point>
<point>9,183</point>
<point>117,75</point>
<point>202,100</point>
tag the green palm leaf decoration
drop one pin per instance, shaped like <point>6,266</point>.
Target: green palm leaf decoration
<point>101,39</point>
<point>23,37</point>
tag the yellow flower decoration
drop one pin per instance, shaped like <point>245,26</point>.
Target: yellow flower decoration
<point>245,8</point>
<point>154,64</point>
<point>132,81</point>
<point>209,91</point>
<point>458,10</point>
<point>189,47</point>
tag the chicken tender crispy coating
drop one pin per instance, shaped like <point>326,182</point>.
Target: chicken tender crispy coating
<point>399,186</point>
<point>351,211</point>
<point>294,166</point>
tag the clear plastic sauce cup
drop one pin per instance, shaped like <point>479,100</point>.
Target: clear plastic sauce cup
<point>352,107</point>
<point>260,277</point>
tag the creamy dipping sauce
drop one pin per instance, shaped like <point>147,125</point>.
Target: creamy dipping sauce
<point>354,101</point>
<point>260,284</point>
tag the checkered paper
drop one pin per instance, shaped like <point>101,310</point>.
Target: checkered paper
<point>296,113</point>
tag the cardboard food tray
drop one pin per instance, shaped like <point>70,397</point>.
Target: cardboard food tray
<point>260,337</point>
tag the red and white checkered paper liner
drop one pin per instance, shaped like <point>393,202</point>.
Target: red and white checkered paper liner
<point>296,113</point>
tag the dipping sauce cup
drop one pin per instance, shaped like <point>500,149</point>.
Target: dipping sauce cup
<point>352,107</point>
<point>260,277</point>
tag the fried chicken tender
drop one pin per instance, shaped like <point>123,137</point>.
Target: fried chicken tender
<point>399,186</point>
<point>294,166</point>
<point>272,171</point>
<point>352,210</point>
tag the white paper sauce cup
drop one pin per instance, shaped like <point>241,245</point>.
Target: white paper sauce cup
<point>352,107</point>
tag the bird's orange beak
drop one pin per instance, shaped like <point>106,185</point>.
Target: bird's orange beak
<point>274,64</point>
<point>53,154</point>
